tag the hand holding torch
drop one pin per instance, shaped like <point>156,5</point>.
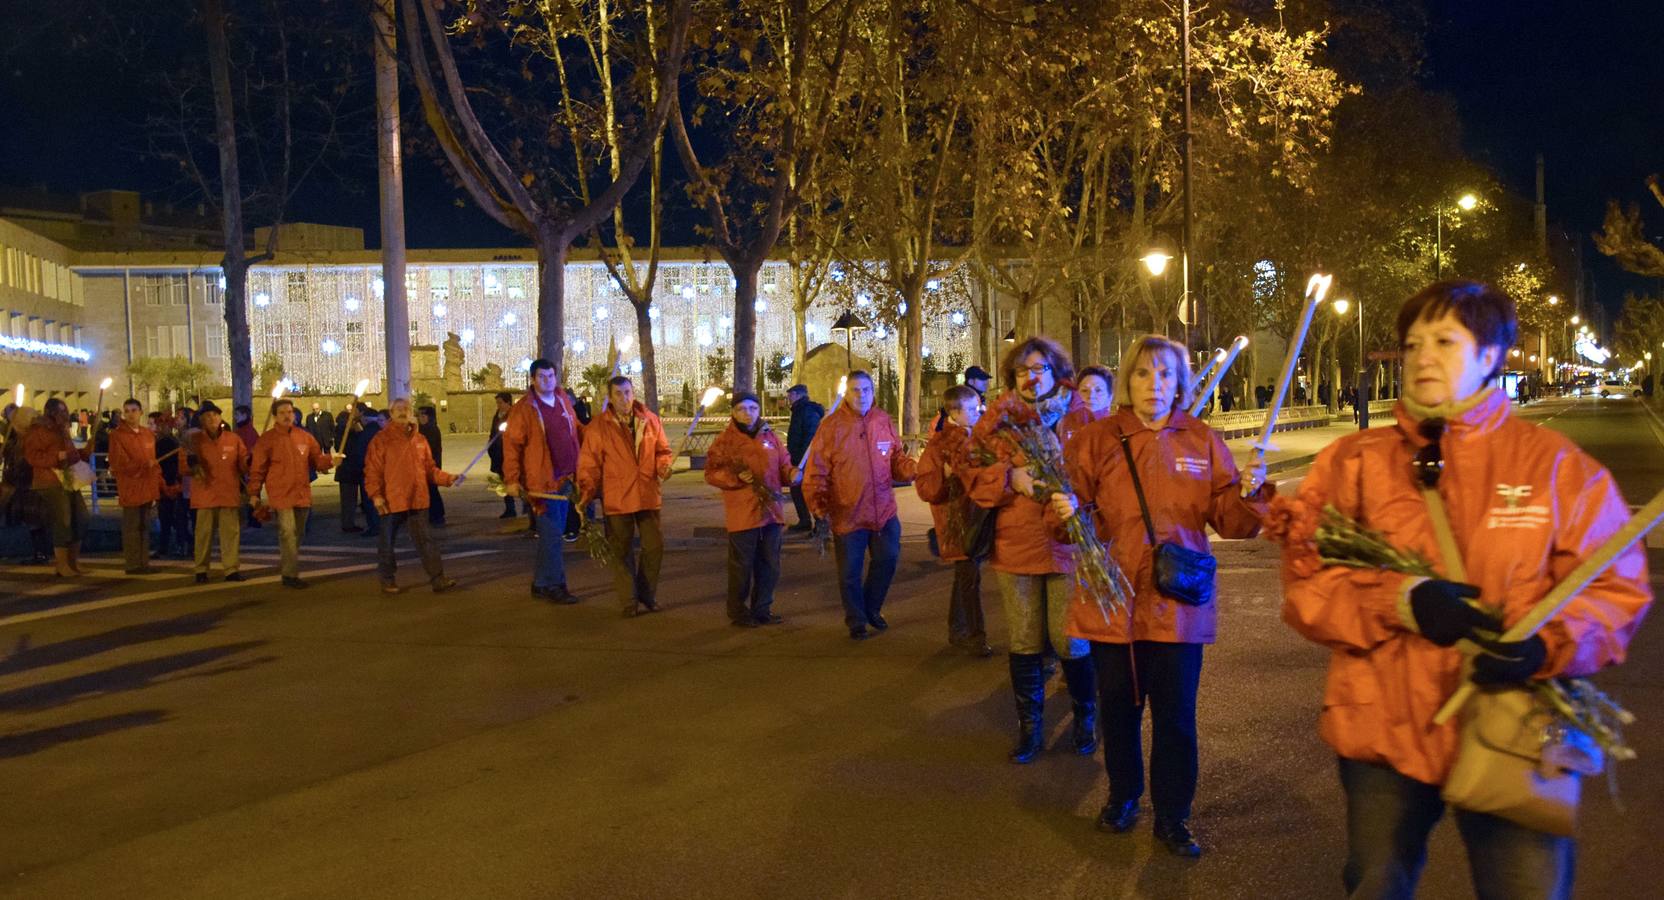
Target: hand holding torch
<point>1316,287</point>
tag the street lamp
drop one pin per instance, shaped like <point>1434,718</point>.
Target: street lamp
<point>1466,203</point>
<point>1361,402</point>
<point>848,323</point>
<point>1156,262</point>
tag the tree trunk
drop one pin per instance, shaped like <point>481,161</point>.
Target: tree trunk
<point>800,339</point>
<point>390,180</point>
<point>745,321</point>
<point>649,391</point>
<point>552,246</point>
<point>912,359</point>
<point>240,354</point>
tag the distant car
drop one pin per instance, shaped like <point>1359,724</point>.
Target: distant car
<point>1618,389</point>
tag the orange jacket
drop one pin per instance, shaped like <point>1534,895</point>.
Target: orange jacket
<point>398,466</point>
<point>41,445</point>
<point>220,467</point>
<point>1078,418</point>
<point>282,458</point>
<point>946,494</point>
<point>1526,506</point>
<point>526,458</point>
<point>133,463</point>
<point>1023,544</point>
<point>1191,482</point>
<point>764,456</point>
<point>626,476</point>
<point>853,462</point>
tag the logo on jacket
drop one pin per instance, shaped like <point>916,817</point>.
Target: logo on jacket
<point>1190,465</point>
<point>1511,514</point>
<point>884,448</point>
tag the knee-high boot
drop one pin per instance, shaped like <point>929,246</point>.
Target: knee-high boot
<point>1083,690</point>
<point>1028,684</point>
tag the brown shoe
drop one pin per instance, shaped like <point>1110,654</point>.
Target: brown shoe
<point>388,587</point>
<point>443,584</point>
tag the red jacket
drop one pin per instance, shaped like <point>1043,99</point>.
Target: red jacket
<point>283,459</point>
<point>853,461</point>
<point>946,493</point>
<point>220,467</point>
<point>1191,482</point>
<point>1023,542</point>
<point>625,475</point>
<point>41,445</point>
<point>248,434</point>
<point>1079,417</point>
<point>133,463</point>
<point>764,456</point>
<point>526,458</point>
<point>398,466</point>
<point>1526,506</point>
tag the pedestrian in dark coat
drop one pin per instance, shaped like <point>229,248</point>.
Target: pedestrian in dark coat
<point>429,427</point>
<point>350,473</point>
<point>806,416</point>
<point>494,449</point>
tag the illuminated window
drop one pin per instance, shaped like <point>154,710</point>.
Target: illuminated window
<point>355,336</point>
<point>295,286</point>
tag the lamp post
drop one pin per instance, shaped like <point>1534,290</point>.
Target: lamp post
<point>1360,400</point>
<point>849,323</point>
<point>1466,203</point>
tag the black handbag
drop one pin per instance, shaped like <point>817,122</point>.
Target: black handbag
<point>979,532</point>
<point>1181,573</point>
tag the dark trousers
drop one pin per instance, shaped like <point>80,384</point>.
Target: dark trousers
<point>1167,677</point>
<point>436,505</point>
<point>1389,816</point>
<point>753,571</point>
<point>349,503</point>
<point>864,598</point>
<point>804,517</point>
<point>173,526</point>
<point>635,577</point>
<point>416,520</point>
<point>965,605</point>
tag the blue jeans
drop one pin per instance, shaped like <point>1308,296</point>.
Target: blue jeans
<point>551,564</point>
<point>1389,816</point>
<point>863,600</point>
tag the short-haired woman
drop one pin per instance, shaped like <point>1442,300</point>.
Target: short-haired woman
<point>1153,652</point>
<point>1032,567</point>
<point>1096,387</point>
<point>51,453</point>
<point>1393,636</point>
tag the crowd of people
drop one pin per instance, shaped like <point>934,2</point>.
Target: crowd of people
<point>1017,483</point>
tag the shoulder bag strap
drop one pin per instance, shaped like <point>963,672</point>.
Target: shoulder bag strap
<point>1138,488</point>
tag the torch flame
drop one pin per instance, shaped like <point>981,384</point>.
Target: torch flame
<point>1318,286</point>
<point>843,382</point>
<point>20,393</point>
<point>363,385</point>
<point>710,396</point>
<point>277,389</point>
<point>105,384</point>
<point>503,426</point>
<point>1241,343</point>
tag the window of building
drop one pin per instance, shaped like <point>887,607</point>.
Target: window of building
<point>298,342</point>
<point>355,336</point>
<point>179,293</point>
<point>295,286</point>
<point>212,293</point>
<point>34,329</point>
<point>213,337</point>
<point>153,338</point>
<point>181,341</point>
<point>273,339</point>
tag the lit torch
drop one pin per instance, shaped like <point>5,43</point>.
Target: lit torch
<point>19,400</point>
<point>501,427</point>
<point>1316,288</point>
<point>1224,359</point>
<point>706,399</point>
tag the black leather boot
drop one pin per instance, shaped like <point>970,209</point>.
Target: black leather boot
<point>1028,684</point>
<point>1083,690</point>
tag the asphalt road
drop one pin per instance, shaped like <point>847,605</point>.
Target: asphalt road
<point>161,740</point>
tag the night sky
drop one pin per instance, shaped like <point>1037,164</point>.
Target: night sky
<point>1580,82</point>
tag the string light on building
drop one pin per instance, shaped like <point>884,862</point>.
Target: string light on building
<point>466,336</point>
<point>351,303</point>
<point>957,317</point>
<point>330,346</point>
<point>43,348</point>
<point>933,285</point>
<point>761,306</point>
<point>687,292</point>
<point>510,318</point>
<point>578,346</point>
<point>439,310</point>
<point>262,299</point>
<point>600,313</point>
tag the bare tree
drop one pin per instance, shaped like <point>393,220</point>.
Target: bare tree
<point>506,169</point>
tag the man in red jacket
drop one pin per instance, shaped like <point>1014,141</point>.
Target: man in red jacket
<point>941,483</point>
<point>283,459</point>
<point>397,471</point>
<point>624,458</point>
<point>748,461</point>
<point>540,456</point>
<point>219,465</point>
<point>138,484</point>
<point>853,461</point>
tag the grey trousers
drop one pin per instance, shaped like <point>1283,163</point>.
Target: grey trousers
<point>291,524</point>
<point>228,521</point>
<point>417,521</point>
<point>135,535</point>
<point>1037,609</point>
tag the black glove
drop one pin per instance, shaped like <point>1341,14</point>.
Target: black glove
<point>1509,662</point>
<point>1443,613</point>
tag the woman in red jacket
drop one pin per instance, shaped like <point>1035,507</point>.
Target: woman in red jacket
<point>1154,651</point>
<point>746,460</point>
<point>1525,507</point>
<point>1032,567</point>
<point>50,453</point>
<point>940,482</point>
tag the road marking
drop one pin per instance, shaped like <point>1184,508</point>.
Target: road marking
<point>196,589</point>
